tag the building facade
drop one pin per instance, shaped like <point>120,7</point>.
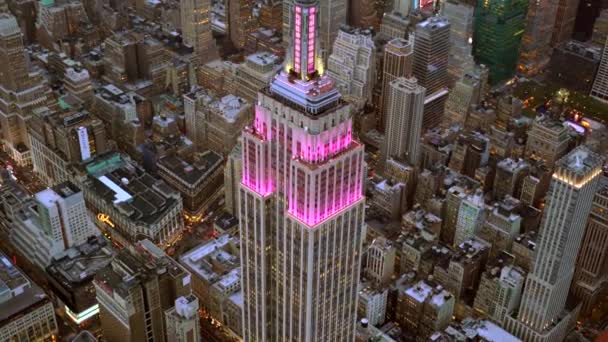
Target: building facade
<point>289,243</point>
<point>570,198</point>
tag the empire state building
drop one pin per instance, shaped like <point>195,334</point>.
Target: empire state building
<point>301,200</point>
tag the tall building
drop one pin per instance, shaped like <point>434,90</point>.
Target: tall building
<point>398,58</point>
<point>548,140</point>
<point>240,21</point>
<point>196,29</point>
<point>541,316</point>
<point>471,216</point>
<point>591,277</point>
<point>536,41</point>
<point>22,89</point>
<point>405,107</point>
<point>55,221</point>
<point>564,21</point>
<point>135,291</point>
<point>600,83</point>
<point>499,291</point>
<point>296,271</point>
<point>574,65</point>
<point>332,16</point>
<point>600,28</point>
<point>233,173</point>
<point>431,53</point>
<point>352,63</point>
<point>460,17</point>
<point>26,313</point>
<point>499,26</point>
<point>182,320</point>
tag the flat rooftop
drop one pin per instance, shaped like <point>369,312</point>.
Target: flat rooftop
<point>192,170</point>
<point>17,292</point>
<point>139,195</point>
<point>201,259</point>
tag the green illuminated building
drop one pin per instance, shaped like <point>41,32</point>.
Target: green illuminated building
<point>499,26</point>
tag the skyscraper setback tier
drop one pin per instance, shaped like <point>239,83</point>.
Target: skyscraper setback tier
<point>301,202</point>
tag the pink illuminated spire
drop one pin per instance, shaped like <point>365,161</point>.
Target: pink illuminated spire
<point>304,47</point>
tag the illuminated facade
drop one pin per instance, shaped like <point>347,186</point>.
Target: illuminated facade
<point>499,26</point>
<point>301,202</point>
<point>536,41</point>
<point>196,28</point>
<point>543,316</point>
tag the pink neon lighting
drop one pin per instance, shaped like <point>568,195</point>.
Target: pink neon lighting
<point>317,149</point>
<point>298,39</point>
<point>262,191</point>
<point>311,41</point>
<point>315,220</point>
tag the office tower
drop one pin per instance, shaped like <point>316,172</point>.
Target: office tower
<point>182,320</point>
<point>564,21</point>
<point>63,21</point>
<point>471,152</point>
<point>460,17</point>
<point>27,312</point>
<point>380,264</point>
<point>302,118</point>
<point>464,94</point>
<point>363,13</point>
<point>462,268</point>
<point>372,304</point>
<point>394,25</point>
<point>500,288</point>
<point>502,225</point>
<point>56,221</point>
<point>332,16</point>
<point>541,315</point>
<point>536,42</point>
<point>271,16</point>
<point>233,173</point>
<point>471,216</point>
<point>352,63</point>
<point>196,29</point>
<point>548,140</point>
<point>405,106</point>
<point>398,58</point>
<point>574,65</point>
<point>388,197</point>
<point>64,138</point>
<point>424,307</point>
<point>240,21</point>
<point>431,51</point>
<point>430,67</point>
<point>510,175</point>
<point>135,291</point>
<point>256,73</point>
<point>600,83</point>
<point>590,278</point>
<point>499,25</point>
<point>21,89</point>
<point>600,28</point>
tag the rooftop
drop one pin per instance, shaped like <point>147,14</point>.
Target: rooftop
<point>192,170</point>
<point>17,292</point>
<point>212,260</point>
<point>136,193</point>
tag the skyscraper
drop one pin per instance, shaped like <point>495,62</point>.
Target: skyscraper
<point>591,277</point>
<point>536,41</point>
<point>404,120</point>
<point>541,315</point>
<point>600,84</point>
<point>499,26</point>
<point>431,51</point>
<point>21,90</point>
<point>398,57</point>
<point>182,320</point>
<point>301,202</point>
<point>460,17</point>
<point>352,63</point>
<point>564,21</point>
<point>196,29</point>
